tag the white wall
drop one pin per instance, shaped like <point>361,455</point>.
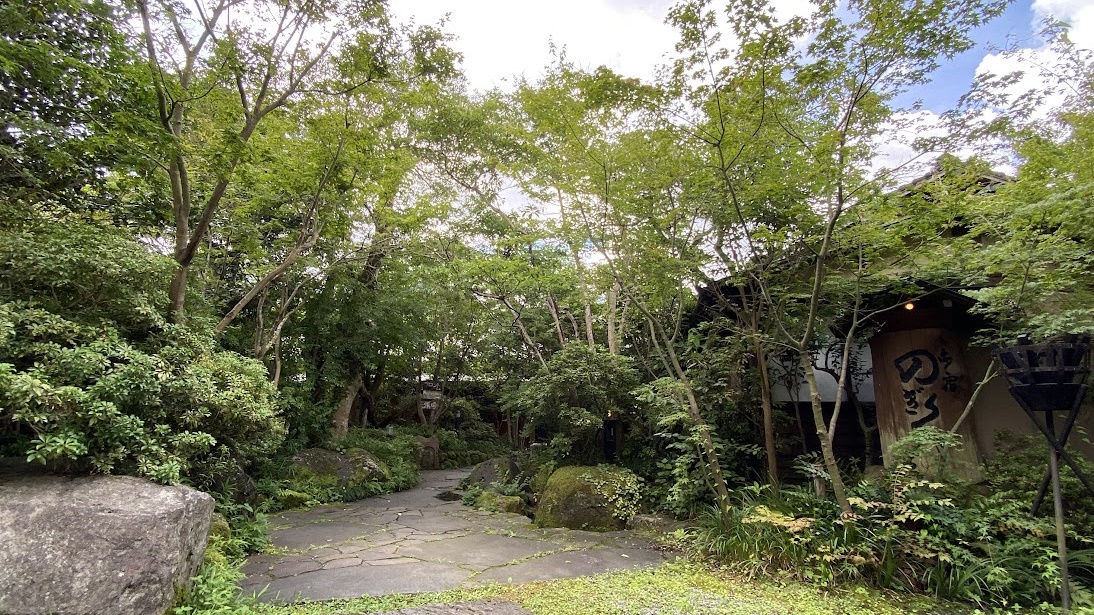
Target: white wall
<point>826,383</point>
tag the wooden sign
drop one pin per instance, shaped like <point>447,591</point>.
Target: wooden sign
<point>919,380</point>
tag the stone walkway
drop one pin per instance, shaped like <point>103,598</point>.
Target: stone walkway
<point>413,542</point>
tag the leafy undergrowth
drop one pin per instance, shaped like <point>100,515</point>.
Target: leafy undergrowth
<point>670,589</point>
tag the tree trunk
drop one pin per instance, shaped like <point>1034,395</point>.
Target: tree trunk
<point>768,415</point>
<point>613,301</point>
<point>553,306</point>
<point>830,465</point>
<point>339,421</point>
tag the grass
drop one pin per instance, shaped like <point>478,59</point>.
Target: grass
<point>670,589</point>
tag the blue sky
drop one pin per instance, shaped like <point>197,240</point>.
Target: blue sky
<point>954,78</point>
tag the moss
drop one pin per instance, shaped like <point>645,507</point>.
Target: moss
<point>366,467</point>
<point>683,588</point>
<point>292,499</point>
<point>599,498</point>
<point>542,475</point>
<point>490,500</point>
<point>220,530</point>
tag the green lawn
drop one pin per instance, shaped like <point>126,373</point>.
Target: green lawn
<point>671,589</point>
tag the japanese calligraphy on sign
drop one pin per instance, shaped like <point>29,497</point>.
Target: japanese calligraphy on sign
<point>921,373</point>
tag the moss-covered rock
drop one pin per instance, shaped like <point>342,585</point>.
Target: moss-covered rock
<point>220,529</point>
<point>365,466</point>
<point>493,501</point>
<point>292,499</point>
<point>497,470</point>
<point>540,478</point>
<point>350,469</point>
<point>600,498</point>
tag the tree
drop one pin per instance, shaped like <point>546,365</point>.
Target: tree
<point>1031,243</point>
<point>572,396</point>
<point>217,80</point>
<point>68,83</point>
<point>814,108</point>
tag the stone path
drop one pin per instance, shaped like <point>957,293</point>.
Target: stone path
<point>413,542</point>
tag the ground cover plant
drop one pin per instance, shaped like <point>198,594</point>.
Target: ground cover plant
<point>671,589</point>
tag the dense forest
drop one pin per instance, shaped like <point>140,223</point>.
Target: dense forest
<point>233,229</point>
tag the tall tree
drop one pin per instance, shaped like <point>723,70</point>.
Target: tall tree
<point>799,118</point>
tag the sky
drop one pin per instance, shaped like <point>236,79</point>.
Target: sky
<point>503,38</point>
<point>500,39</point>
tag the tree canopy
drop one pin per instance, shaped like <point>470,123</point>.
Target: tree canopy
<point>234,229</point>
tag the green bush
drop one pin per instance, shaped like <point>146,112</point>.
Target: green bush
<point>572,396</point>
<point>473,444</point>
<point>1017,468</point>
<point>908,532</point>
<point>215,590</point>
<point>96,380</point>
<point>93,402</point>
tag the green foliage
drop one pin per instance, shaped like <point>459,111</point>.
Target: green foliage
<point>908,532</point>
<point>68,82</point>
<point>621,489</point>
<point>95,375</point>
<point>474,442</point>
<point>600,498</point>
<point>286,487</point>
<point>671,458</point>
<point>572,396</point>
<point>94,402</point>
<point>471,495</point>
<point>1032,241</point>
<point>215,589</point>
<point>1016,469</point>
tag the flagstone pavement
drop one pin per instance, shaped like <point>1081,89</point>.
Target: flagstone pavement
<point>412,542</point>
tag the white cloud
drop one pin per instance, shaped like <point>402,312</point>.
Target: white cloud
<point>1039,65</point>
<point>501,38</point>
<point>897,160</point>
<point>895,156</point>
<point>1079,14</point>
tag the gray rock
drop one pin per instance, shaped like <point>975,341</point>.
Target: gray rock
<point>429,453</point>
<point>477,607</point>
<point>349,469</point>
<point>497,470</point>
<point>104,545</point>
<point>649,523</point>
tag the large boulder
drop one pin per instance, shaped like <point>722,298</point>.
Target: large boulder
<point>600,498</point>
<point>350,469</point>
<point>496,470</point>
<point>103,545</point>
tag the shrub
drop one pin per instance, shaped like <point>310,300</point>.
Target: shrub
<point>473,444</point>
<point>1017,468</point>
<point>95,379</point>
<point>573,395</point>
<point>285,487</point>
<point>908,532</point>
<point>94,402</point>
